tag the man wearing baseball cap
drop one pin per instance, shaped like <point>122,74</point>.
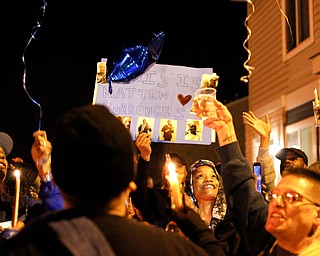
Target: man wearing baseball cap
<point>291,158</point>
<point>6,145</point>
<point>49,193</point>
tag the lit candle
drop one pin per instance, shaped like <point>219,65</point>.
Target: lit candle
<point>316,99</point>
<point>16,199</point>
<point>175,193</point>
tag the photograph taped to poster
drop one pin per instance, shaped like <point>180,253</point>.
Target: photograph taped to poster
<point>159,103</point>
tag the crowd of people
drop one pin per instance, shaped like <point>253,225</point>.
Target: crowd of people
<point>287,223</point>
<point>91,207</point>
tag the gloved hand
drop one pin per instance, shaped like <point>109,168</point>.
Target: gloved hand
<point>11,232</point>
<point>188,221</point>
<point>8,233</point>
<point>196,230</point>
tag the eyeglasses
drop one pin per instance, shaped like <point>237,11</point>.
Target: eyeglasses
<point>289,197</point>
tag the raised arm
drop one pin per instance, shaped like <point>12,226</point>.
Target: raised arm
<point>263,128</point>
<point>49,193</point>
<point>222,123</point>
<point>139,197</point>
<point>247,206</point>
<point>41,154</point>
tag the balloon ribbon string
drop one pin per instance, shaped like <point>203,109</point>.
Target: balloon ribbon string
<point>33,36</point>
<point>245,64</point>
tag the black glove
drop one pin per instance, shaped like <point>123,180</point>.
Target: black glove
<point>8,233</point>
<point>188,221</point>
<point>196,230</point>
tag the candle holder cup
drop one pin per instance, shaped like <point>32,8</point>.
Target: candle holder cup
<point>316,112</point>
<point>206,98</point>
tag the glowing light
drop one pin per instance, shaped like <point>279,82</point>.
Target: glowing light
<point>16,199</point>
<point>175,192</point>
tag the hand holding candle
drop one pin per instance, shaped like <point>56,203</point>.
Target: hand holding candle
<point>41,153</point>
<point>16,199</point>
<point>175,192</point>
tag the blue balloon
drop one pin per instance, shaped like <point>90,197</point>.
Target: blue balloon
<point>136,60</point>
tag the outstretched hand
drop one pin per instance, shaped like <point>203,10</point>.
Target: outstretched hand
<point>262,127</point>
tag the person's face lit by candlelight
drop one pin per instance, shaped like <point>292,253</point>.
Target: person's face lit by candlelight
<point>6,145</point>
<point>3,165</point>
<point>205,183</point>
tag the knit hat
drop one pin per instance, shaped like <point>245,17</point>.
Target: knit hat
<point>6,143</point>
<point>92,155</point>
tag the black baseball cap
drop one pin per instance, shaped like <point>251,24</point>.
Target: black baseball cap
<point>281,155</point>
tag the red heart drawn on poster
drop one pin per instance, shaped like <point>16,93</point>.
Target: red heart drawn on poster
<point>184,99</point>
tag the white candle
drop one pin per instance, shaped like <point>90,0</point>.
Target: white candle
<point>16,199</point>
<point>316,99</point>
<point>175,193</point>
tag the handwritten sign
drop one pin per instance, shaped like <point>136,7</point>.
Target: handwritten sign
<point>159,103</point>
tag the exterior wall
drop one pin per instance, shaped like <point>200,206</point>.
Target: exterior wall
<point>276,84</point>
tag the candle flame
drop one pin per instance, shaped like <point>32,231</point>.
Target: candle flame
<point>173,176</point>
<point>171,167</point>
<point>17,173</point>
<point>175,193</point>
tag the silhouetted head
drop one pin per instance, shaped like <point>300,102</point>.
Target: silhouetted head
<point>92,155</point>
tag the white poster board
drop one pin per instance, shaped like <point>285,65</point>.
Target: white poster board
<point>162,95</point>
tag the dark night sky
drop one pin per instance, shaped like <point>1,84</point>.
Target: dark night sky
<point>61,62</point>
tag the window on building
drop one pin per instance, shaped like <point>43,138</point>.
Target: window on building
<point>302,135</point>
<point>298,27</point>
